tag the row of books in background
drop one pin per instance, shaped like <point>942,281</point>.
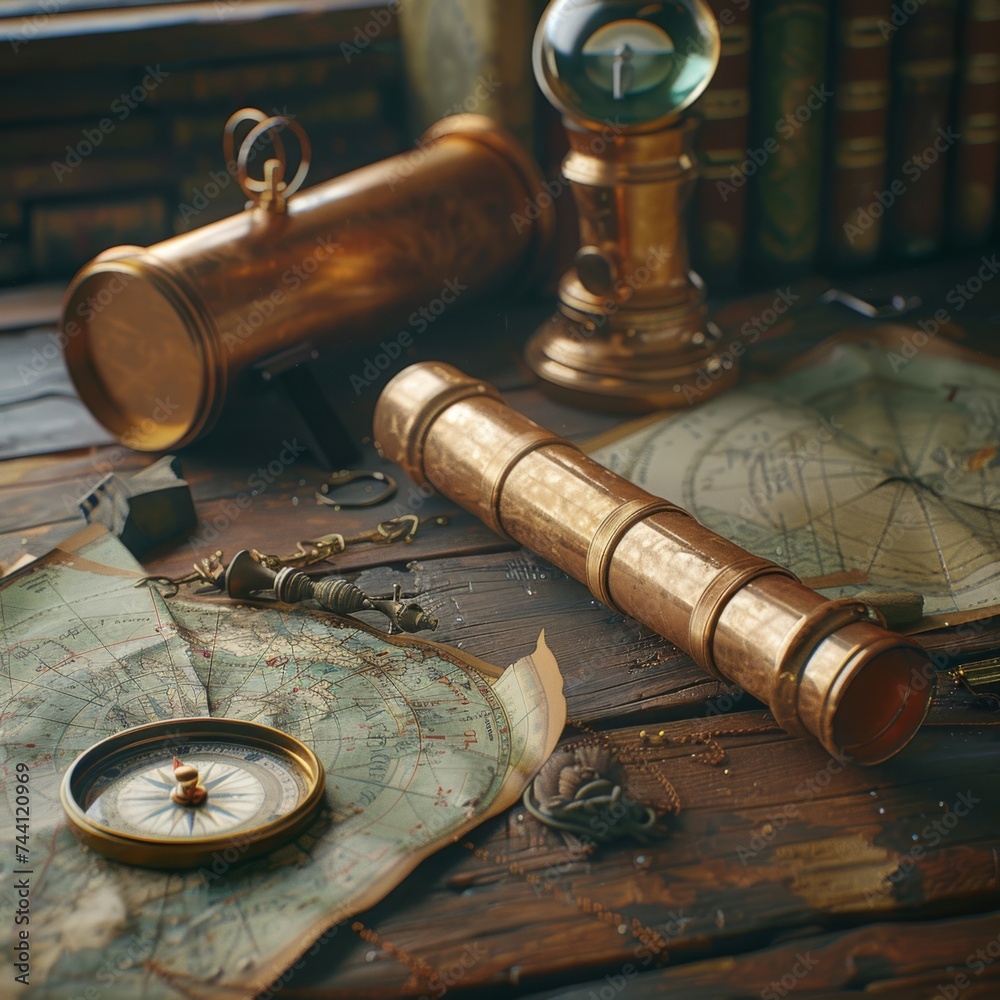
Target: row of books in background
<point>111,126</point>
<point>838,136</point>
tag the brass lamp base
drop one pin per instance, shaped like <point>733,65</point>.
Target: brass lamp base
<point>631,360</point>
<point>631,332</point>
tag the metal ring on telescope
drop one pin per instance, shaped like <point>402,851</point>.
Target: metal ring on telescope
<point>444,400</point>
<point>712,601</point>
<point>251,116</point>
<point>811,630</point>
<point>496,473</point>
<point>253,186</point>
<point>610,532</point>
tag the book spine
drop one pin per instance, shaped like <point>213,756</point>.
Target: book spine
<point>859,132</point>
<point>791,89</point>
<point>975,177</point>
<point>470,55</point>
<point>719,203</point>
<point>923,79</point>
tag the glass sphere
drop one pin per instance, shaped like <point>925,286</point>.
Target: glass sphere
<point>626,63</point>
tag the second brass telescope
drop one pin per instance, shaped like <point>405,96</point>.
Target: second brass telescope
<point>826,668</point>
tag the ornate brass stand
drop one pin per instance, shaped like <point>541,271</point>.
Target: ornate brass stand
<point>631,331</point>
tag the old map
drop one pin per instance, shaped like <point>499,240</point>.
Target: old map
<point>419,746</point>
<point>875,464</point>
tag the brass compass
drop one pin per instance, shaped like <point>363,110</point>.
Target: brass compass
<point>181,792</point>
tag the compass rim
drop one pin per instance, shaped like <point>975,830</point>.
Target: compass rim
<point>152,851</point>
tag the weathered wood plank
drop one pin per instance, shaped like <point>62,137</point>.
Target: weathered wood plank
<point>494,606</point>
<point>776,838</point>
<point>935,959</point>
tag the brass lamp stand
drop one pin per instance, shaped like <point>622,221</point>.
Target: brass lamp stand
<point>630,333</point>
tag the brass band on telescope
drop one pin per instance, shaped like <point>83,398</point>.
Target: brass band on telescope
<point>609,533</point>
<point>825,667</point>
<point>499,469</point>
<point>713,599</point>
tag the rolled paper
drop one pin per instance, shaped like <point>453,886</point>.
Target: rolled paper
<point>827,668</point>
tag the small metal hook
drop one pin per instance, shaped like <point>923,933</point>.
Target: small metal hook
<point>345,476</point>
<point>405,526</point>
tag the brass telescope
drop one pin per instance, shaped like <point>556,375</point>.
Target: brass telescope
<point>826,668</point>
<point>155,338</point>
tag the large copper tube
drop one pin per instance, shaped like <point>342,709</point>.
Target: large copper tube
<point>826,668</point>
<point>155,337</point>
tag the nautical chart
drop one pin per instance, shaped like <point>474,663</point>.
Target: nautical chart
<point>419,746</point>
<point>875,463</point>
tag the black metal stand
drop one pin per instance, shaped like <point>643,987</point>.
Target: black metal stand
<point>291,373</point>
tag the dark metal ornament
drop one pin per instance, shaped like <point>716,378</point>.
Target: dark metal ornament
<point>247,575</point>
<point>582,791</point>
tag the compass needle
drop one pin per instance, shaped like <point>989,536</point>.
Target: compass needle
<point>272,785</point>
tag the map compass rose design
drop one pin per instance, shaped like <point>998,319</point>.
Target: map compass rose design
<point>172,794</point>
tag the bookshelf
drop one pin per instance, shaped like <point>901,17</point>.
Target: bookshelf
<point>111,117</point>
<point>837,136</point>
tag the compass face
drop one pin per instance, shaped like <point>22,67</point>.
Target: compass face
<point>632,63</point>
<point>251,785</point>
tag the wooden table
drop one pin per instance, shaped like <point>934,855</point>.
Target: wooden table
<point>783,871</point>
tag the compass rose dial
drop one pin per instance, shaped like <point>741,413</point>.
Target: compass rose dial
<point>171,793</point>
